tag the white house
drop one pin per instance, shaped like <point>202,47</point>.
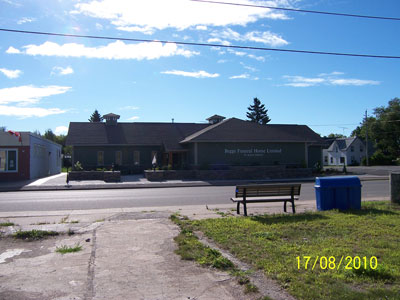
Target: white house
<point>344,151</point>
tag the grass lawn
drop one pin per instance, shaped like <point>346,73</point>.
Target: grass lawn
<point>281,245</point>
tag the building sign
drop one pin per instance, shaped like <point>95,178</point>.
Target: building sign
<point>253,151</point>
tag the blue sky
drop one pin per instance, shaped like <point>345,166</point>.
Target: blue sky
<point>47,82</point>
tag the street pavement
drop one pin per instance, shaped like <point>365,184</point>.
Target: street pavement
<point>59,182</point>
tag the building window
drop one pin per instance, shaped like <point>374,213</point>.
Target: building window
<point>352,148</point>
<point>331,160</point>
<point>326,159</point>
<point>100,158</point>
<point>342,160</point>
<point>8,161</point>
<point>336,149</point>
<point>136,158</point>
<point>118,158</point>
<point>361,148</point>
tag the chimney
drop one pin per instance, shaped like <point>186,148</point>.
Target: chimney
<point>111,119</point>
<point>215,119</point>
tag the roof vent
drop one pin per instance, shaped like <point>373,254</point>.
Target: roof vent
<point>111,119</point>
<point>215,119</point>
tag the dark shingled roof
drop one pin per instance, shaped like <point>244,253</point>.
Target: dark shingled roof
<point>232,130</point>
<point>343,144</point>
<point>173,135</point>
<point>150,134</point>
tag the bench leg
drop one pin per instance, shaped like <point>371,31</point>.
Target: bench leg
<point>244,208</point>
<point>293,209</point>
<point>284,206</point>
<point>238,208</point>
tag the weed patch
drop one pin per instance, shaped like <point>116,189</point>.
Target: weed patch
<point>65,249</point>
<point>6,224</point>
<point>34,234</point>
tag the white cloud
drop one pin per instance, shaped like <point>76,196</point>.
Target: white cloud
<point>11,73</point>
<point>13,3</point>
<point>99,26</point>
<point>133,118</point>
<point>145,30</point>
<point>199,74</point>
<point>61,130</point>
<point>265,37</point>
<point>356,82</point>
<point>219,41</point>
<point>201,27</point>
<point>326,79</point>
<point>242,76</point>
<point>25,20</point>
<point>241,53</point>
<point>335,73</point>
<point>27,112</point>
<point>161,14</point>
<point>29,94</point>
<point>252,69</point>
<point>62,71</point>
<point>259,58</point>
<point>12,50</point>
<point>237,53</point>
<point>300,81</point>
<point>115,50</point>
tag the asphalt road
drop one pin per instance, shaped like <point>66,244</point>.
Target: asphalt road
<point>147,197</point>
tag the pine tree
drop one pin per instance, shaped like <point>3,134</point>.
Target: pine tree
<point>95,117</point>
<point>257,112</point>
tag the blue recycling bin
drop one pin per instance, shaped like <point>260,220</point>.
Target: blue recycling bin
<point>341,192</point>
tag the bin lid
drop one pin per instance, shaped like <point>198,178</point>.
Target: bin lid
<point>338,181</point>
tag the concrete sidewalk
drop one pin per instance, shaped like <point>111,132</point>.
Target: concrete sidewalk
<point>126,254</point>
<point>58,182</point>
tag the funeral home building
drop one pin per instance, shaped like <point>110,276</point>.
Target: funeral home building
<point>221,142</point>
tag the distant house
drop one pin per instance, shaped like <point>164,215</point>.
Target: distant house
<point>349,151</point>
<point>221,142</point>
<point>24,155</point>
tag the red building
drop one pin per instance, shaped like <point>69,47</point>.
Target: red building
<point>25,155</point>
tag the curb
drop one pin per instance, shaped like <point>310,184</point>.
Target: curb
<point>146,185</point>
<point>163,185</point>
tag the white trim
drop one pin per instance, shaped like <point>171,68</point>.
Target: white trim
<point>16,159</point>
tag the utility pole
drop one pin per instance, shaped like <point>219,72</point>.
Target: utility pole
<point>366,136</point>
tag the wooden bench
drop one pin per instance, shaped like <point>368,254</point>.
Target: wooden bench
<point>266,193</point>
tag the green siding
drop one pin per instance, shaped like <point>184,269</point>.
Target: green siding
<point>251,153</point>
<point>314,155</point>
<point>88,156</point>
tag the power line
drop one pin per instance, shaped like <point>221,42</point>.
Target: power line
<point>348,124</point>
<point>302,10</point>
<point>199,44</point>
